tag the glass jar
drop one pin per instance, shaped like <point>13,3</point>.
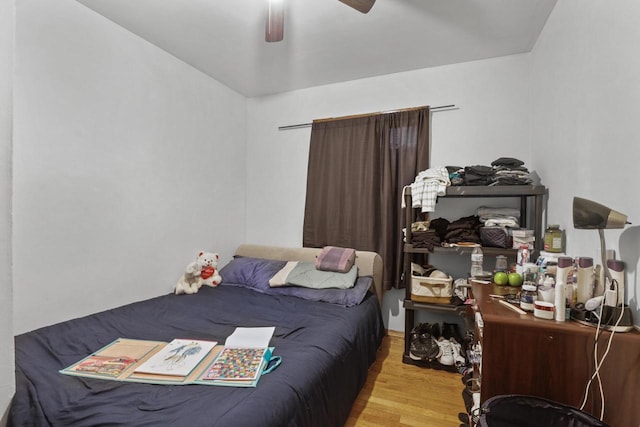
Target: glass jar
<point>553,239</point>
<point>528,297</point>
<point>530,274</point>
<point>501,264</point>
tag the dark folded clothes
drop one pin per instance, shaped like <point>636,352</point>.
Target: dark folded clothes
<point>425,239</point>
<point>464,229</point>
<point>478,175</point>
<point>439,225</point>
<point>479,170</point>
<point>507,161</point>
<point>470,237</point>
<point>471,222</point>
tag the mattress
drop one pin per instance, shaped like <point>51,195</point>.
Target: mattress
<point>326,351</point>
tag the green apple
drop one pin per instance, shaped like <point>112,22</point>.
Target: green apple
<point>515,279</point>
<point>500,278</point>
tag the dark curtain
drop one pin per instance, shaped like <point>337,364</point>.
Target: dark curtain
<point>357,169</point>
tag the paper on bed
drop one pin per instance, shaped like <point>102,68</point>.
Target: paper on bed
<point>250,337</point>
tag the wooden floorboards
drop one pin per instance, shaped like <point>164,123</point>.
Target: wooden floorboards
<point>398,394</point>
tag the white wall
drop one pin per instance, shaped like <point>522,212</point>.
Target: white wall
<point>126,163</point>
<point>493,120</point>
<point>6,292</point>
<point>569,110</point>
<point>586,106</point>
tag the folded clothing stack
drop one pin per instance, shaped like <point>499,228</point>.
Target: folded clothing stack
<point>478,175</point>
<point>464,230</point>
<point>439,225</point>
<point>503,216</point>
<point>523,238</point>
<point>503,171</point>
<point>425,239</point>
<point>510,171</point>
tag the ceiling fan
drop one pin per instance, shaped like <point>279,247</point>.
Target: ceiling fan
<point>274,31</point>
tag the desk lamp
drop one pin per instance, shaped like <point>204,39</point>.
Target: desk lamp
<point>590,215</point>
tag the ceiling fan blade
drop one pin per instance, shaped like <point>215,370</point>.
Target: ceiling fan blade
<point>363,6</point>
<point>274,31</point>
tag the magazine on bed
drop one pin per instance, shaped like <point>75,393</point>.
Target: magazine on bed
<point>181,361</point>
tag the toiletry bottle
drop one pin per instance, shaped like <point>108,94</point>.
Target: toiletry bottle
<point>564,269</point>
<point>585,279</point>
<point>560,300</point>
<point>616,269</point>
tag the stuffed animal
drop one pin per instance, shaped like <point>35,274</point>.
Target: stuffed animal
<point>209,273</point>
<point>200,272</point>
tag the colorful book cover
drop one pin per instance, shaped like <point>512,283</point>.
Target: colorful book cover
<point>236,364</point>
<point>104,365</point>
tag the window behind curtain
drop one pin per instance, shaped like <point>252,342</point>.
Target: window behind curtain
<point>357,169</point>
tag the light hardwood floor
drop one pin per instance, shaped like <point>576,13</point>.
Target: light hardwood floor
<point>398,394</point>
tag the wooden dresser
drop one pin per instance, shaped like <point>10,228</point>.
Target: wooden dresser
<point>522,354</point>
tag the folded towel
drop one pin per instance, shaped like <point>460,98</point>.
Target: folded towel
<point>337,259</point>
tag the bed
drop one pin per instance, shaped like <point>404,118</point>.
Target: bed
<point>326,346</point>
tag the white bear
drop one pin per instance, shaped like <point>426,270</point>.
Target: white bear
<point>200,272</point>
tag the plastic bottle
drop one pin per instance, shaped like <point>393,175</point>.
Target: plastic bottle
<point>477,258</point>
<point>560,300</point>
<point>564,273</point>
<point>565,267</point>
<point>522,258</point>
<point>616,269</point>
<point>585,279</point>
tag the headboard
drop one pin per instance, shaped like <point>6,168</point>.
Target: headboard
<point>369,263</point>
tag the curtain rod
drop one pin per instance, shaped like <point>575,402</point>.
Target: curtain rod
<point>432,109</point>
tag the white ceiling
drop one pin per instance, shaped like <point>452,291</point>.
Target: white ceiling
<point>326,41</point>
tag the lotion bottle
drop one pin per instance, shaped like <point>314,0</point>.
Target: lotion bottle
<point>565,265</point>
<point>585,279</point>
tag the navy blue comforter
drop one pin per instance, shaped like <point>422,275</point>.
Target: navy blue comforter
<point>326,351</point>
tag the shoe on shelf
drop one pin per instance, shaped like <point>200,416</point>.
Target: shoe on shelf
<point>436,331</point>
<point>456,348</point>
<point>446,358</point>
<point>423,346</point>
<point>450,330</point>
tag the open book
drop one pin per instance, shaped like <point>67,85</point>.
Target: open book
<point>178,358</point>
<point>182,361</point>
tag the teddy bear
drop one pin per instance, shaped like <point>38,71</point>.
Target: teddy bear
<point>200,272</point>
<point>209,273</point>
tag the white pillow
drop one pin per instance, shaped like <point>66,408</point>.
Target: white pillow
<point>280,278</point>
